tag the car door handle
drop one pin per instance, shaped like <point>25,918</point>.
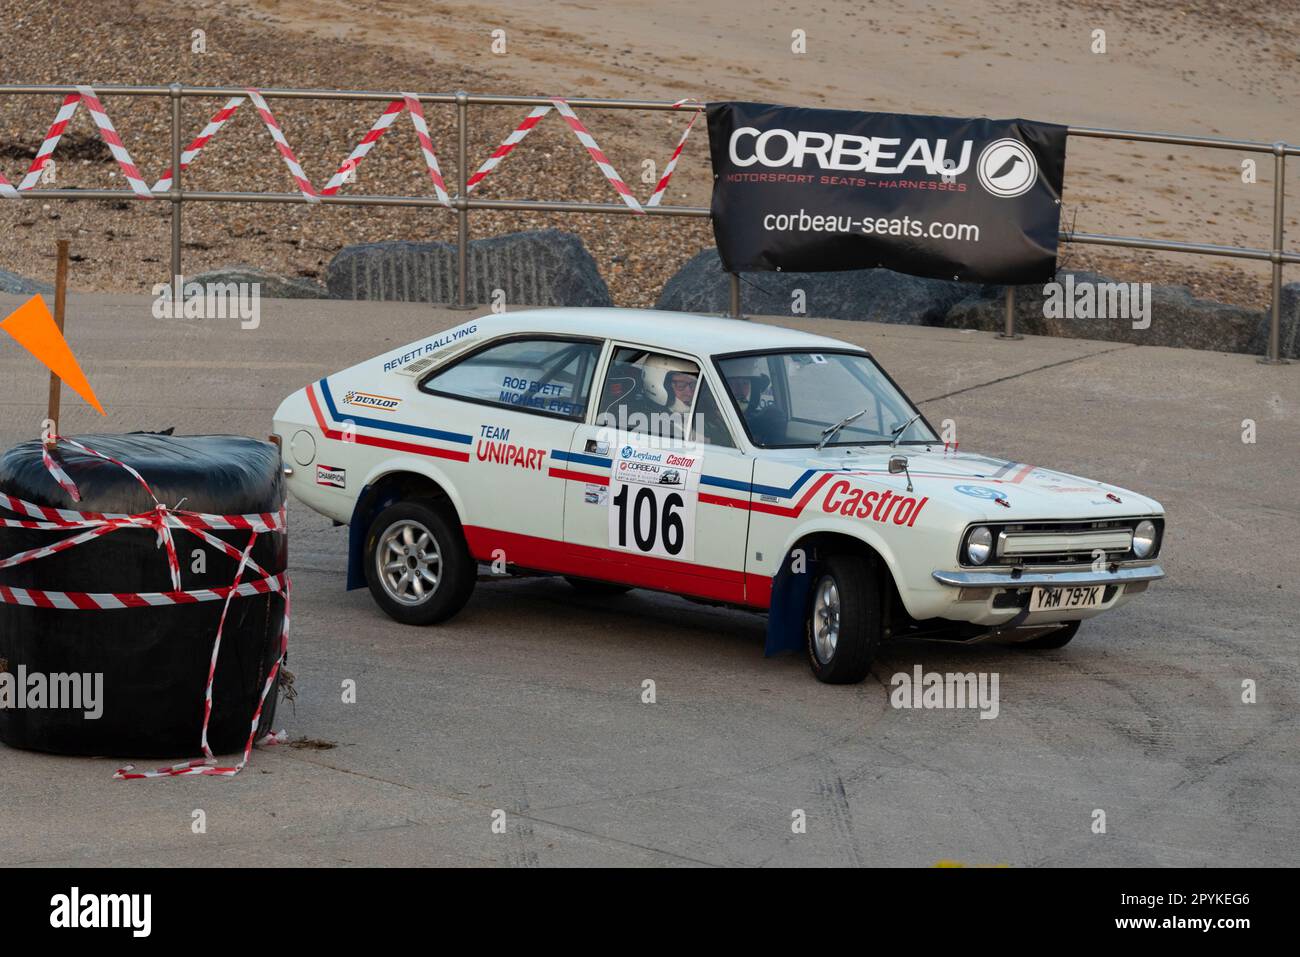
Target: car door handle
<point>591,445</point>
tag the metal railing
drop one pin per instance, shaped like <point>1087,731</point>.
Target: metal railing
<point>462,203</point>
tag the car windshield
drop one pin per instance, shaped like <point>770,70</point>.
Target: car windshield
<point>790,399</point>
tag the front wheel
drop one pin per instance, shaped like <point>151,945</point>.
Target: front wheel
<point>418,566</point>
<point>844,623</point>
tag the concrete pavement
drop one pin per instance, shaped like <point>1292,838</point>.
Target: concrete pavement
<point>530,700</point>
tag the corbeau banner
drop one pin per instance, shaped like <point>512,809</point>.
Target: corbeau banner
<point>806,190</point>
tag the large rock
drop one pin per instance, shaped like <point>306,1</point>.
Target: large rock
<point>1177,318</point>
<point>17,285</point>
<point>1290,325</point>
<point>871,295</point>
<point>542,268</point>
<point>271,286</point>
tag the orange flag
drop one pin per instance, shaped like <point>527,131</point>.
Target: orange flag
<point>35,330</point>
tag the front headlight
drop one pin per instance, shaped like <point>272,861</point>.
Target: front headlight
<point>1144,538</point>
<point>979,545</point>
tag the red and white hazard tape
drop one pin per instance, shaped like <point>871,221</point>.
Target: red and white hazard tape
<point>50,519</point>
<point>115,146</point>
<point>55,469</point>
<point>61,120</point>
<point>207,765</point>
<point>286,151</point>
<point>367,143</point>
<point>192,151</point>
<point>426,147</point>
<point>598,157</point>
<point>409,101</point>
<point>508,145</point>
<point>107,132</point>
<point>584,136</point>
<point>161,519</point>
<point>111,601</point>
<point>152,520</point>
<point>662,187</point>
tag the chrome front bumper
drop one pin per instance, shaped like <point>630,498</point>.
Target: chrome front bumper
<point>1007,578</point>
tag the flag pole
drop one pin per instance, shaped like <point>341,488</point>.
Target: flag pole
<point>60,305</point>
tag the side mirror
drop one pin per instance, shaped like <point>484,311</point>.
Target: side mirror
<point>897,464</point>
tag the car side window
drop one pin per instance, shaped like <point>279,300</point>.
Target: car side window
<point>707,424</point>
<point>543,376</point>
<point>648,392</point>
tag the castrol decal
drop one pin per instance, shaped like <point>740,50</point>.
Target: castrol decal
<point>874,506</point>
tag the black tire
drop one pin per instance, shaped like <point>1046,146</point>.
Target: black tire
<point>857,589</point>
<point>1056,639</point>
<point>457,570</point>
<point>596,589</point>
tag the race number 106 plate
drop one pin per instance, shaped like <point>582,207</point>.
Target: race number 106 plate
<point>1061,599</point>
<point>652,499</point>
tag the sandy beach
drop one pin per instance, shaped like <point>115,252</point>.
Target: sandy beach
<point>977,58</point>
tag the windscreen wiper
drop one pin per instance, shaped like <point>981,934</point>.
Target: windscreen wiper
<point>829,432</point>
<point>898,432</point>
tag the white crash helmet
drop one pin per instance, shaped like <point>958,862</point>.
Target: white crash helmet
<point>753,368</point>
<point>654,376</point>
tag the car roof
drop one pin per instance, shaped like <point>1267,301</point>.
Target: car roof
<point>703,335</point>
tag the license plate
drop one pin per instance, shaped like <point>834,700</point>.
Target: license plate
<point>1065,599</point>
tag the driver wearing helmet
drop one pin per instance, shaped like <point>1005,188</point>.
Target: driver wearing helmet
<point>747,382</point>
<point>671,383</point>
<point>742,387</point>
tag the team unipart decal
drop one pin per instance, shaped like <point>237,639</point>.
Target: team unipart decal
<point>875,506</point>
<point>332,476</point>
<point>494,446</point>
<point>369,400</point>
<point>415,362</point>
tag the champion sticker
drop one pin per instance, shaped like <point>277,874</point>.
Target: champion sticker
<point>331,476</point>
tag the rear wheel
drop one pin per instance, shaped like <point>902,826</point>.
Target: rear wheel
<point>418,566</point>
<point>843,623</point>
<point>596,589</point>
<point>1056,639</point>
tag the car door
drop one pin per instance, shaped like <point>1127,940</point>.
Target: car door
<point>520,400</point>
<point>657,492</point>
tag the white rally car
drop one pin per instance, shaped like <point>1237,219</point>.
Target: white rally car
<point>724,461</point>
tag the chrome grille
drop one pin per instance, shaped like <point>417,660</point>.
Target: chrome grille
<point>1051,545</point>
<point>1063,542</point>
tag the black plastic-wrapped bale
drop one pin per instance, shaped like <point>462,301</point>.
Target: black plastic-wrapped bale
<point>154,660</point>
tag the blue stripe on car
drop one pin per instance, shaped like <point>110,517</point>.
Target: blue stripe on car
<point>581,459</point>
<point>384,426</point>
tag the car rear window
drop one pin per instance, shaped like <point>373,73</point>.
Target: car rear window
<point>543,376</point>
